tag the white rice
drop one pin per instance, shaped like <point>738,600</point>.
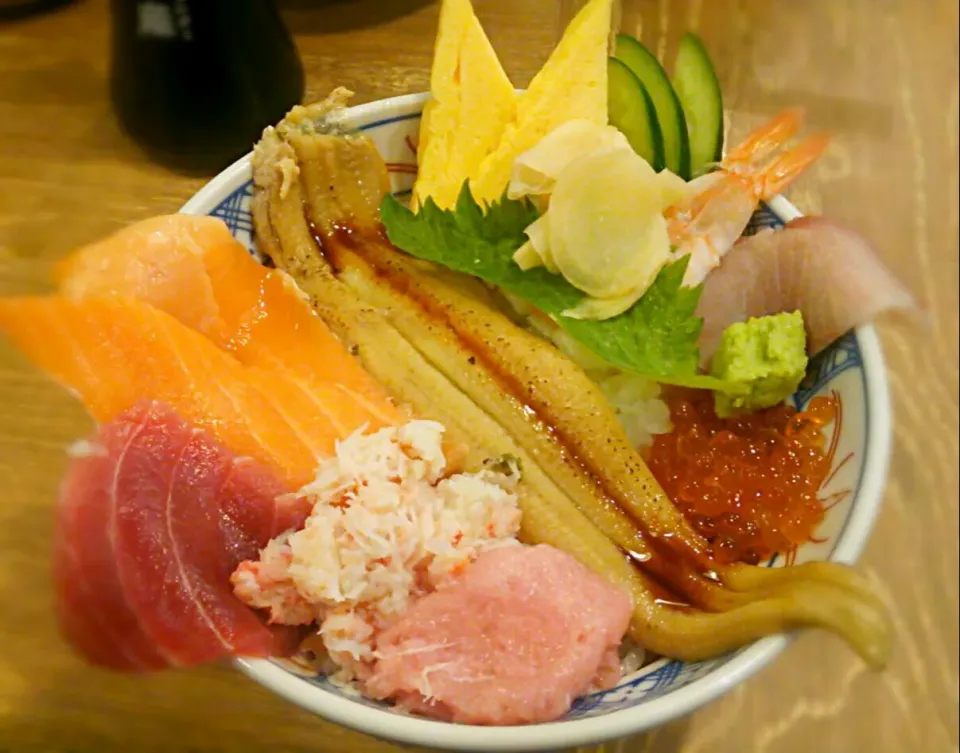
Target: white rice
<point>632,656</point>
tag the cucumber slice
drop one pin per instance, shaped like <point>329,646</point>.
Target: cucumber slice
<point>632,112</point>
<point>676,149</point>
<point>696,85</point>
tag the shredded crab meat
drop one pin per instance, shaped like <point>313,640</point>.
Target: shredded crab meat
<point>388,524</point>
<point>266,584</point>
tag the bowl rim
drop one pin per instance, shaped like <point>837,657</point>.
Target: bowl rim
<point>384,724</point>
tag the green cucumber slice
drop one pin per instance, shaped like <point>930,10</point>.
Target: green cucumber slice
<point>676,149</point>
<point>696,84</point>
<point>632,112</point>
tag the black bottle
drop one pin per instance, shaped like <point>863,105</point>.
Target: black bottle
<point>13,9</point>
<point>195,81</point>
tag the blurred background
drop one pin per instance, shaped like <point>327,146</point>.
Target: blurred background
<point>84,151</point>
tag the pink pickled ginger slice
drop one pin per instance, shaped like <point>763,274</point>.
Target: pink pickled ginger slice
<point>828,272</point>
<point>514,640</point>
<point>150,526</point>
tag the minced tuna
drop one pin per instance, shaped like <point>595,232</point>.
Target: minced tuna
<point>389,523</point>
<point>514,639</point>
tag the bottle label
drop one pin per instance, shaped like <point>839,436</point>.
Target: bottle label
<point>164,20</point>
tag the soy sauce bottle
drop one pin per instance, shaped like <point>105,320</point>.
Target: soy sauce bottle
<point>16,9</point>
<point>194,82</point>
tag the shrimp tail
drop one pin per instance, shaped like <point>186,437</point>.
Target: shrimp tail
<point>764,141</point>
<point>786,167</point>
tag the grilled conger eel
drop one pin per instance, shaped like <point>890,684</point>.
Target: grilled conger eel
<point>440,345</point>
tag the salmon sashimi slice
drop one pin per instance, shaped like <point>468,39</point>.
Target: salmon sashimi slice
<point>256,314</point>
<point>160,256</point>
<point>153,518</point>
<point>281,329</point>
<point>831,274</point>
<point>115,351</point>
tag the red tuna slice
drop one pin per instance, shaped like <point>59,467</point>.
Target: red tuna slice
<point>174,557</point>
<point>514,640</point>
<point>828,272</point>
<point>243,511</point>
<point>92,610</point>
<point>162,517</point>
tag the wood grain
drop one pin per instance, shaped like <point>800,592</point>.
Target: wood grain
<point>882,74</point>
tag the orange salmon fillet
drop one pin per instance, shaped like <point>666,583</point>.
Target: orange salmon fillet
<point>256,314</point>
<point>281,330</point>
<point>159,259</point>
<point>113,351</point>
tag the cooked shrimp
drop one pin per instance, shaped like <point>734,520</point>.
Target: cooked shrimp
<point>719,204</point>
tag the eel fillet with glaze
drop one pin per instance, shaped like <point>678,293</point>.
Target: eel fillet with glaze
<point>440,346</point>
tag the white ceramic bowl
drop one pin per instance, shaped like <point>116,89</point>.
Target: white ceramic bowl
<point>852,368</point>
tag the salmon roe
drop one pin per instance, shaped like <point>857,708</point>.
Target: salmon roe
<point>748,484</point>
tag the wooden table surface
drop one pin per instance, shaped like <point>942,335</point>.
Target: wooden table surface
<point>881,73</point>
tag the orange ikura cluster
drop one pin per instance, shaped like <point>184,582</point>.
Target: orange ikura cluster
<point>750,484</point>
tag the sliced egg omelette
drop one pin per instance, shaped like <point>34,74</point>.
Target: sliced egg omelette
<point>475,125</point>
<point>472,100</point>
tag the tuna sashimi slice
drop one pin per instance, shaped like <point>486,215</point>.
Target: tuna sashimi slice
<point>242,511</point>
<point>828,272</point>
<point>93,612</point>
<point>514,640</point>
<point>153,518</point>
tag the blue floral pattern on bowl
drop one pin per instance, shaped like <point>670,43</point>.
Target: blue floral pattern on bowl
<point>838,370</point>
